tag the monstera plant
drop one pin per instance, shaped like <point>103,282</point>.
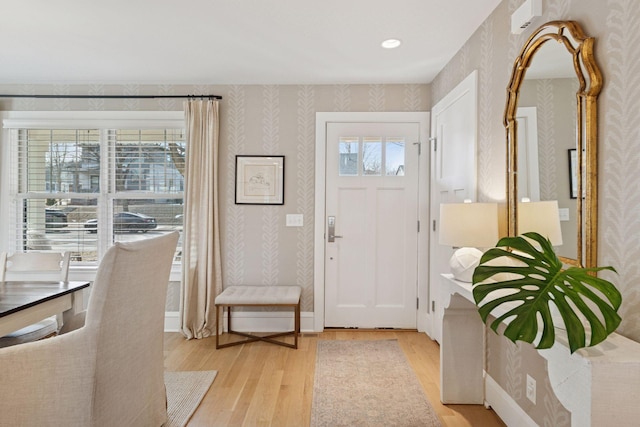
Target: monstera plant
<point>523,278</point>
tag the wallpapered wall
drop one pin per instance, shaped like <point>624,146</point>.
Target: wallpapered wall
<point>492,50</point>
<point>278,120</point>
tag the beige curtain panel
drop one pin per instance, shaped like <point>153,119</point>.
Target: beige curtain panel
<point>201,261</point>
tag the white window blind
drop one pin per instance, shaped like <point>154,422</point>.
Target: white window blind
<point>82,189</point>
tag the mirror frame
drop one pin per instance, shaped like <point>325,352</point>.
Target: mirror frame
<point>580,47</point>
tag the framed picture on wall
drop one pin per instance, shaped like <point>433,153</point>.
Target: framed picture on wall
<point>259,180</point>
<point>573,173</point>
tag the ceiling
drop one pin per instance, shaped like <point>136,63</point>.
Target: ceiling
<point>232,41</point>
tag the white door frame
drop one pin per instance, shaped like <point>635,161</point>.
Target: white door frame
<point>463,100</point>
<point>322,118</point>
<point>528,145</point>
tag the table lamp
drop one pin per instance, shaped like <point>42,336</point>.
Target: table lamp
<point>468,226</point>
<point>542,218</point>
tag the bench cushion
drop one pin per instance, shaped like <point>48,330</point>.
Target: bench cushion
<point>246,295</point>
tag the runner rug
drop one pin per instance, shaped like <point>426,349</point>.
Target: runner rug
<point>367,383</point>
<point>185,391</point>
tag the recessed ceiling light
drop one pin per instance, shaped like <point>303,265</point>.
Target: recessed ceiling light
<point>391,43</point>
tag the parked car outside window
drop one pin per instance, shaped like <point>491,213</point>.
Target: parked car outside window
<point>55,218</point>
<point>126,221</point>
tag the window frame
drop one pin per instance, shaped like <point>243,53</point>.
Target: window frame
<point>104,121</point>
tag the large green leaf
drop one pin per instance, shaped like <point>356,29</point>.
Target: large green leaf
<point>534,280</point>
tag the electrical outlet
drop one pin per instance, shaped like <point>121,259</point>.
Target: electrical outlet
<point>531,389</point>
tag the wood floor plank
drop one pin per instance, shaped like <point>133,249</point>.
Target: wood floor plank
<point>260,384</point>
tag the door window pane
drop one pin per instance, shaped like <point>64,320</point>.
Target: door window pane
<point>394,164</point>
<point>348,156</point>
<point>372,156</point>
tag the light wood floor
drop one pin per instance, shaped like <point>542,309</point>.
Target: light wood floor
<point>261,384</point>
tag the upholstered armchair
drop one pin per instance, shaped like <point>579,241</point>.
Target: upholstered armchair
<point>108,372</point>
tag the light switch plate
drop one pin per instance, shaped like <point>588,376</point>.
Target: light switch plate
<point>564,214</point>
<point>295,220</point>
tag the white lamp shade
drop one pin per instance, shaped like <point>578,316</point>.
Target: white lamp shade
<point>542,218</point>
<point>469,224</point>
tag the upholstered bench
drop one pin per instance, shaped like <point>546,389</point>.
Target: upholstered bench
<point>259,296</point>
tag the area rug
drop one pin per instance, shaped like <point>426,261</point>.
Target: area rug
<point>185,391</point>
<point>367,383</point>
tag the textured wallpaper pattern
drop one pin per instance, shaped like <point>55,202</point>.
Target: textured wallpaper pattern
<point>547,138</point>
<point>260,120</point>
<point>614,24</point>
<point>305,194</point>
<point>280,120</point>
<point>234,232</point>
<point>486,108</point>
<point>270,237</point>
<point>620,142</point>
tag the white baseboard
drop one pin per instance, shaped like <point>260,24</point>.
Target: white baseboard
<point>507,409</point>
<point>172,321</point>
<point>250,321</point>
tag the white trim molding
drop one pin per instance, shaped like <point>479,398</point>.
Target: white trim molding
<point>507,409</point>
<point>252,321</point>
<point>92,119</point>
<point>172,321</point>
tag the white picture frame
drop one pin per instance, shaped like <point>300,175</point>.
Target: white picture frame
<point>259,180</point>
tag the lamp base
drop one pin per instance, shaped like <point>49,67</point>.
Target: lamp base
<point>463,262</point>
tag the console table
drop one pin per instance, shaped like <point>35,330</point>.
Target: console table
<point>596,384</point>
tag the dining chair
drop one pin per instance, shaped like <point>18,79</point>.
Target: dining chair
<point>34,267</point>
<point>110,371</point>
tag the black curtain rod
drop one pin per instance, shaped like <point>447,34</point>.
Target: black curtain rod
<point>112,96</point>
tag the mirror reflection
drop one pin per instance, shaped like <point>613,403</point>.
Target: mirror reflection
<point>546,118</point>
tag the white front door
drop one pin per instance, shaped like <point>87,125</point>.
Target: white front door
<point>371,220</point>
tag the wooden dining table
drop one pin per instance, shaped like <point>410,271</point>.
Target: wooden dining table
<point>25,303</point>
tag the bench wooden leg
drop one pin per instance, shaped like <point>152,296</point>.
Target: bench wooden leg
<point>297,324</point>
<point>253,338</point>
<point>218,325</point>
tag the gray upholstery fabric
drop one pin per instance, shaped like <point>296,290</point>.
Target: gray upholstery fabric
<point>110,371</point>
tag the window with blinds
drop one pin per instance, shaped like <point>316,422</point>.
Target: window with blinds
<point>80,190</point>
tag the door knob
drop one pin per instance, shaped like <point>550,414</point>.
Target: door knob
<point>331,225</point>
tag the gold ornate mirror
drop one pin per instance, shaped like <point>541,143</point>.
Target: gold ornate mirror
<point>551,125</point>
